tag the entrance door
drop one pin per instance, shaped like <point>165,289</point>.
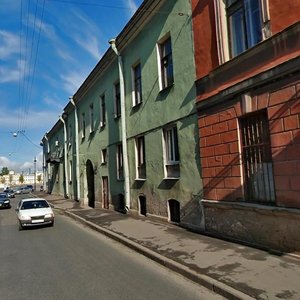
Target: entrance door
<point>90,183</point>
<point>105,200</point>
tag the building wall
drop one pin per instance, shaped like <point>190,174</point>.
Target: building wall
<point>174,105</point>
<point>263,77</point>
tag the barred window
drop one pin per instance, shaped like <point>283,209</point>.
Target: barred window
<point>257,158</point>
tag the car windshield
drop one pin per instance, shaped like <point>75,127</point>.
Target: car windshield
<point>34,204</point>
<point>3,196</point>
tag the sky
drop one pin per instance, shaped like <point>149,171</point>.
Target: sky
<point>47,49</point>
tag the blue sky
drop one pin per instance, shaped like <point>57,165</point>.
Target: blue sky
<point>47,49</point>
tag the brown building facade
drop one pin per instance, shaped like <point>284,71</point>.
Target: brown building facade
<point>247,55</point>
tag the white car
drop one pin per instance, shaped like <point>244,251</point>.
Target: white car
<point>34,212</point>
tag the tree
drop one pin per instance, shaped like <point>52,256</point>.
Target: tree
<point>4,171</point>
<point>21,178</point>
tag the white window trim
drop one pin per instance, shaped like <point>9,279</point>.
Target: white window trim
<point>83,124</point>
<point>104,158</point>
<point>137,156</point>
<point>134,100</point>
<point>222,29</point>
<point>102,120</point>
<point>116,116</point>
<point>158,55</point>
<point>92,120</point>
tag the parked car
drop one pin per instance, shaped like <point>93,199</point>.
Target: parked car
<point>10,193</point>
<point>34,212</point>
<point>23,190</point>
<point>4,201</point>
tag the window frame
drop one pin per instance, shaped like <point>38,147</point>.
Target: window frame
<point>140,155</point>
<point>83,125</point>
<point>256,155</point>
<point>92,119</point>
<point>117,99</point>
<point>136,81</point>
<point>120,162</point>
<point>102,111</point>
<point>165,62</point>
<point>104,156</point>
<point>222,29</point>
<point>171,152</point>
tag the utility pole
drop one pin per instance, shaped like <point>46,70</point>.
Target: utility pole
<point>34,161</point>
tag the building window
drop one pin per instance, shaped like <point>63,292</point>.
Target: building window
<point>83,125</point>
<point>104,156</point>
<point>244,24</point>
<point>120,173</point>
<point>70,136</point>
<point>92,125</point>
<point>171,154</point>
<point>257,157</point>
<point>240,24</point>
<point>140,157</point>
<point>165,63</point>
<point>117,102</point>
<point>70,171</point>
<point>136,84</point>
<point>102,111</point>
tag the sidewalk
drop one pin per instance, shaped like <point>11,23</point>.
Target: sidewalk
<point>232,270</point>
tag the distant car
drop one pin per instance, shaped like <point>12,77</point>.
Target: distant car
<point>29,186</point>
<point>34,212</point>
<point>10,193</point>
<point>4,201</point>
<point>22,190</point>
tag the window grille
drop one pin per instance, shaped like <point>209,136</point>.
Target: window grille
<point>257,158</point>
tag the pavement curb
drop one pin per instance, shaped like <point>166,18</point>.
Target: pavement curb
<point>204,280</point>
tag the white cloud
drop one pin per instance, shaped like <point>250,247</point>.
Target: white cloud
<point>72,81</point>
<point>86,34</point>
<point>132,6</point>
<point>12,74</point>
<point>9,44</point>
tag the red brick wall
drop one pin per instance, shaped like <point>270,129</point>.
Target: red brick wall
<point>219,146</point>
<point>219,150</point>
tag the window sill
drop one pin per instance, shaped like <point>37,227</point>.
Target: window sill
<point>140,179</point>
<point>166,89</point>
<point>171,178</point>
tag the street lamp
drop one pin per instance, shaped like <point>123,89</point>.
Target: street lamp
<point>112,43</point>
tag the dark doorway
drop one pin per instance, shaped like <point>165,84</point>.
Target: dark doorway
<point>174,210</point>
<point>142,205</point>
<point>105,200</point>
<point>90,183</point>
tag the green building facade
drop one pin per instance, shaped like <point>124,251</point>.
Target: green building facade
<point>160,175</point>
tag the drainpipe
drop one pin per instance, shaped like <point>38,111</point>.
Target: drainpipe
<point>65,157</point>
<point>77,150</point>
<point>46,173</point>
<point>112,43</point>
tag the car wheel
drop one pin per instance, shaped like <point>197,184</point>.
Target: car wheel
<point>51,224</point>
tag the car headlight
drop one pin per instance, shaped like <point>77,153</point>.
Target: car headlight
<point>25,218</point>
<point>49,216</point>
<point>6,201</point>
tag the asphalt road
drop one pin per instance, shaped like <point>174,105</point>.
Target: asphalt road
<point>70,261</point>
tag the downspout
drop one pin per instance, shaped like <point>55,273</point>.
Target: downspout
<point>77,150</point>
<point>48,165</point>
<point>123,124</point>
<point>65,157</point>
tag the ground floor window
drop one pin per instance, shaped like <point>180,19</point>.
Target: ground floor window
<point>257,157</point>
